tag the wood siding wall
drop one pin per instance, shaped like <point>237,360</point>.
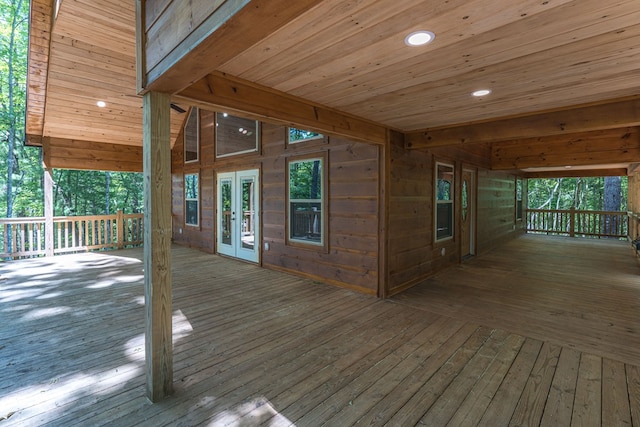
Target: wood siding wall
<point>352,256</point>
<point>351,259</point>
<point>202,236</point>
<point>169,22</point>
<point>412,252</point>
<point>496,209</point>
<point>366,251</point>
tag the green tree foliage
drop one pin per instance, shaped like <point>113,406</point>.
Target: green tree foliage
<point>580,193</point>
<point>21,180</point>
<point>96,192</point>
<point>17,162</point>
<point>305,180</point>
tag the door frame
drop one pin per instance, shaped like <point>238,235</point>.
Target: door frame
<point>236,249</point>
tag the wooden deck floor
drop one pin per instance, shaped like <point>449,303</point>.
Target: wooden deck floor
<point>539,332</point>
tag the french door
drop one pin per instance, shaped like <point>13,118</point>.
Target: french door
<point>237,217</point>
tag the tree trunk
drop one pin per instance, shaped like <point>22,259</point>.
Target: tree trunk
<point>612,201</point>
<point>11,156</point>
<point>107,191</point>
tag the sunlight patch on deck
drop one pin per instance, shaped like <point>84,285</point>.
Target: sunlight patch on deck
<point>254,412</point>
<point>42,313</point>
<point>53,396</point>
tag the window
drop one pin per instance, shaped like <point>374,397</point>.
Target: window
<point>306,222</point>
<point>192,136</point>
<point>444,201</point>
<point>299,135</point>
<point>191,199</point>
<point>519,206</point>
<point>235,135</point>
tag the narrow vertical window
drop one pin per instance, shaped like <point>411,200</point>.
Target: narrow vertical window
<point>306,202</point>
<point>191,199</point>
<point>444,189</point>
<point>192,136</point>
<point>519,190</point>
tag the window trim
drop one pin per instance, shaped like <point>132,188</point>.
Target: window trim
<point>196,111</point>
<point>437,202</point>
<point>321,246</point>
<point>197,200</point>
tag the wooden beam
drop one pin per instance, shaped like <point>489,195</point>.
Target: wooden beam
<point>234,27</point>
<point>580,149</point>
<point>40,22</point>
<point>222,92</point>
<point>618,114</point>
<point>89,155</point>
<point>141,41</point>
<point>157,245</point>
<point>577,173</point>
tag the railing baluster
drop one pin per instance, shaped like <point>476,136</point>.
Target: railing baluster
<point>595,224</point>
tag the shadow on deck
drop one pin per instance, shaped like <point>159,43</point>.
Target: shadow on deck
<point>540,331</point>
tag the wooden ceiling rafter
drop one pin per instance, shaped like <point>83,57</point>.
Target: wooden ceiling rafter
<point>618,114</point>
<point>577,173</point>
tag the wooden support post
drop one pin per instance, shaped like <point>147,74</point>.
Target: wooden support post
<point>120,225</point>
<point>157,244</point>
<point>572,222</point>
<point>48,212</point>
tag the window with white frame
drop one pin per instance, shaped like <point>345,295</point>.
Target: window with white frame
<point>444,206</point>
<point>306,201</point>
<point>192,136</point>
<point>191,199</point>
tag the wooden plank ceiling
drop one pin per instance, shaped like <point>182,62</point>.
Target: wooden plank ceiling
<point>536,56</point>
<point>90,58</point>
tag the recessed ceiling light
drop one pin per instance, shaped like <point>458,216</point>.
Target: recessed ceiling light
<point>482,92</point>
<point>101,104</point>
<point>419,38</point>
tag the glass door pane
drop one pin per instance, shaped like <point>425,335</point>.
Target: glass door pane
<point>227,214</point>
<point>248,213</point>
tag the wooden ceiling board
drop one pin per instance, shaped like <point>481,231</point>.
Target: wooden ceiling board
<point>366,39</point>
<point>488,49</point>
<point>92,57</point>
<point>517,88</point>
<point>520,49</point>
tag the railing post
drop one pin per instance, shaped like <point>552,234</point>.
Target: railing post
<point>48,213</point>
<point>120,228</point>
<point>572,222</point>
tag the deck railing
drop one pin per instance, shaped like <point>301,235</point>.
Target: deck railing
<point>578,223</point>
<point>25,237</point>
